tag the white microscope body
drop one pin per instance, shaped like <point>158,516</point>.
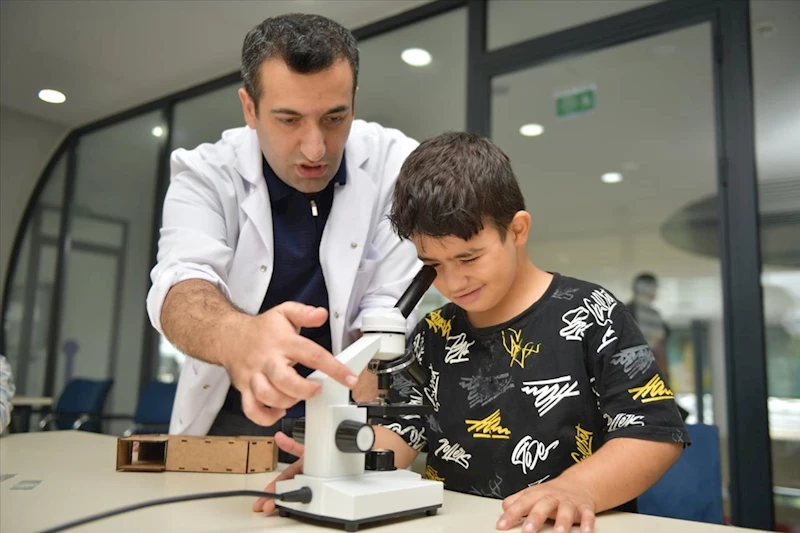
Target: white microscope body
<point>337,437</point>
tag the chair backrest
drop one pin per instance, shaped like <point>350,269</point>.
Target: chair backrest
<point>82,396</point>
<point>155,403</point>
<point>692,488</point>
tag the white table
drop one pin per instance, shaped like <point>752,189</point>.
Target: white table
<point>78,476</point>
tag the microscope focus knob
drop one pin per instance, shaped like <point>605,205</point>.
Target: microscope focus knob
<point>354,437</point>
<point>379,461</point>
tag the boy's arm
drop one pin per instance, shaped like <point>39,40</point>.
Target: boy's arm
<point>618,472</point>
<point>386,439</point>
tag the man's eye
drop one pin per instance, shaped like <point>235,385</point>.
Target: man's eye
<point>287,121</point>
<point>336,119</point>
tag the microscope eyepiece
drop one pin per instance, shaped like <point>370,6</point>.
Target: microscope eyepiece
<point>416,290</point>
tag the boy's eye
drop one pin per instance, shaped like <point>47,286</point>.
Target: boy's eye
<point>468,261</point>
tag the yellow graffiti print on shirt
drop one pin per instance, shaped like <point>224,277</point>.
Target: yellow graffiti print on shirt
<point>488,428</point>
<point>432,473</point>
<point>516,349</point>
<point>654,391</point>
<point>583,441</point>
<point>438,323</point>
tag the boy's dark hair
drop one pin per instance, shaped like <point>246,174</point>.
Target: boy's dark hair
<point>306,43</point>
<point>451,185</point>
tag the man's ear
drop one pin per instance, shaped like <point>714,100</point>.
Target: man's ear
<point>520,228</point>
<point>248,108</point>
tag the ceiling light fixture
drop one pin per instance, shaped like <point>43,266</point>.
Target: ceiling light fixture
<point>416,57</point>
<point>158,131</point>
<point>531,130</point>
<point>52,96</point>
<point>611,177</point>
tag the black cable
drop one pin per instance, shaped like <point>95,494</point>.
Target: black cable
<point>302,495</point>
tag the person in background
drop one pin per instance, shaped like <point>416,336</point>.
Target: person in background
<point>650,322</point>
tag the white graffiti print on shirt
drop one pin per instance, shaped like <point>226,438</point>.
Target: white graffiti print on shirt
<point>492,489</point>
<point>578,320</point>
<point>433,423</point>
<point>406,388</point>
<point>529,451</point>
<point>548,393</point>
<point>416,436</point>
<point>453,452</point>
<point>432,390</point>
<point>457,349</point>
<point>634,361</point>
<point>483,389</point>
<point>539,481</point>
<point>622,420</point>
<point>418,346</point>
<point>608,338</point>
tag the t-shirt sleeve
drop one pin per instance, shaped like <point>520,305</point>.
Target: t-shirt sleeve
<point>634,398</point>
<point>412,428</point>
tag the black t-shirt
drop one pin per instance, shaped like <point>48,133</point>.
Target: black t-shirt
<point>518,403</point>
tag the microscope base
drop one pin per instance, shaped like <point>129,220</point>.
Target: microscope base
<point>370,497</point>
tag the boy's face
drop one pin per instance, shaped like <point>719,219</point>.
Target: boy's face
<point>476,274</point>
<point>302,121</point>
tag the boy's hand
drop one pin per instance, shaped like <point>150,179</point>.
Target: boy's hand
<point>561,501</point>
<point>289,445</point>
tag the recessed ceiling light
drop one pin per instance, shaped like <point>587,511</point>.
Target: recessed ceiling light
<point>416,57</point>
<point>531,130</point>
<point>158,131</point>
<point>611,177</point>
<point>52,96</point>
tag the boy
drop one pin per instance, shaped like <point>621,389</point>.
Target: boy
<point>545,391</point>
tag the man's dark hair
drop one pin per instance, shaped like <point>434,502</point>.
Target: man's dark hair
<point>306,43</point>
<point>453,184</point>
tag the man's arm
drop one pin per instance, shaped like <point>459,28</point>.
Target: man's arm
<point>258,352</point>
<point>618,472</point>
<point>200,321</point>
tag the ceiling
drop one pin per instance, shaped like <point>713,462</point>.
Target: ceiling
<point>654,120</point>
<point>108,56</point>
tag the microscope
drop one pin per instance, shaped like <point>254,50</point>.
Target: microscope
<point>351,484</point>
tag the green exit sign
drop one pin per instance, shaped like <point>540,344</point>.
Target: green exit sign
<point>576,102</point>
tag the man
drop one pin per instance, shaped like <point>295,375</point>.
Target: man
<point>651,323</point>
<point>275,239</point>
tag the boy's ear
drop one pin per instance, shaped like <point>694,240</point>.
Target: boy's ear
<point>520,227</point>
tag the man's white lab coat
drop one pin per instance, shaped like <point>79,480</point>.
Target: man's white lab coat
<point>217,226</point>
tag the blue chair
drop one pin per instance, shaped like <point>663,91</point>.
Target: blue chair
<point>692,488</point>
<point>79,406</point>
<point>154,408</point>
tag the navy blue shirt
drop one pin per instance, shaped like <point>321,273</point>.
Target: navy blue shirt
<point>298,220</point>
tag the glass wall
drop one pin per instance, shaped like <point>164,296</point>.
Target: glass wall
<point>512,21</point>
<point>27,318</point>
<point>102,315</point>
<point>776,70</point>
<point>420,101</point>
<point>611,148</point>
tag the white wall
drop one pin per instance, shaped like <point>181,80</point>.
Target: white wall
<point>26,145</point>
